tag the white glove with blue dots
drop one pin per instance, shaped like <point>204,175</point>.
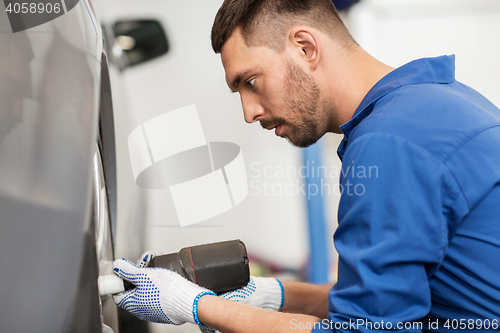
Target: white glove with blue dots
<point>265,293</point>
<point>161,295</point>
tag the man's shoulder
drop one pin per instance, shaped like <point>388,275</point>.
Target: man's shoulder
<point>436,117</point>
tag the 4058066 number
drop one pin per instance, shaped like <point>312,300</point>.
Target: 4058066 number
<point>33,8</point>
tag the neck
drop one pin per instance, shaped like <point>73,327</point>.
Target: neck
<point>348,79</point>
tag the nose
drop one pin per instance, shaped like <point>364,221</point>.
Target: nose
<point>252,109</point>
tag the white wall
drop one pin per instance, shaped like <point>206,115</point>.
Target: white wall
<point>398,31</point>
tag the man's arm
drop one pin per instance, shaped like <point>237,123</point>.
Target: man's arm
<point>228,316</point>
<point>305,298</point>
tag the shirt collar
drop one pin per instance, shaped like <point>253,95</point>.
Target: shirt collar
<point>427,70</point>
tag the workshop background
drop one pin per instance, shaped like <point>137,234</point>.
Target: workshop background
<point>273,220</point>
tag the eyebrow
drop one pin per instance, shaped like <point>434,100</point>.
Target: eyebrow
<point>237,79</point>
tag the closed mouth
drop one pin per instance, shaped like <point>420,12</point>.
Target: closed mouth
<point>269,128</point>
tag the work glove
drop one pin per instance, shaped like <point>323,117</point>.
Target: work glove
<point>262,292</point>
<point>265,293</point>
<point>161,295</point>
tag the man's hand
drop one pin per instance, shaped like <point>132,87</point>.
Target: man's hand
<point>160,296</point>
<point>265,293</point>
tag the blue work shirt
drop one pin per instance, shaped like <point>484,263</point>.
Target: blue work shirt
<point>419,216</point>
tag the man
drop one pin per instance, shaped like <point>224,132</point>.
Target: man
<point>418,249</point>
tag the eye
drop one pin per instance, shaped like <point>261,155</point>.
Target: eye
<point>251,82</point>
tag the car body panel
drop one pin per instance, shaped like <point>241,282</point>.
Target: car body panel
<point>49,89</point>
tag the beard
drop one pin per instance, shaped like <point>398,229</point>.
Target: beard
<point>300,107</point>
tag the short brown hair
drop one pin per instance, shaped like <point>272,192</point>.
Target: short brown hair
<point>266,22</point>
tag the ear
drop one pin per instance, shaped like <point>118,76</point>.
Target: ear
<point>304,43</point>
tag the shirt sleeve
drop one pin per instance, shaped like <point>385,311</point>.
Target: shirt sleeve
<point>397,200</point>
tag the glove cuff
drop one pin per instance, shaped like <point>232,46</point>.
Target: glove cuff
<point>265,293</point>
<point>282,290</point>
<point>195,305</point>
<point>273,291</point>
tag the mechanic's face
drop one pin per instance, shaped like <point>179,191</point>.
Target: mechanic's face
<point>274,90</point>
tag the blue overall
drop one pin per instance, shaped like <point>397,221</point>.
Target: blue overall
<point>419,215</point>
